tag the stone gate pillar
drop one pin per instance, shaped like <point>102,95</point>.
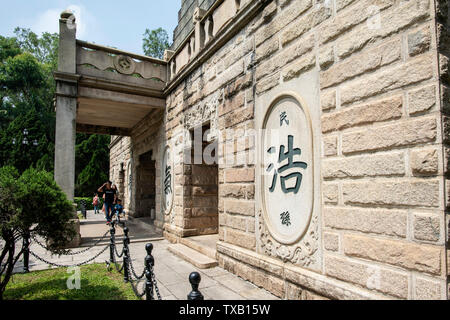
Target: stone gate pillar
<point>66,105</point>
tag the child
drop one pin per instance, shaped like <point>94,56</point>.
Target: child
<point>95,203</point>
<point>118,208</point>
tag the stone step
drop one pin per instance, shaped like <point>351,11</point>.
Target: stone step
<point>190,255</point>
<point>200,247</point>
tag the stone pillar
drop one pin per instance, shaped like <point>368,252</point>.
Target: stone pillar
<point>66,105</point>
<point>199,30</point>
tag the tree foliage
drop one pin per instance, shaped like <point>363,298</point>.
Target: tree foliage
<point>90,168</point>
<point>31,202</point>
<point>27,91</point>
<point>155,42</point>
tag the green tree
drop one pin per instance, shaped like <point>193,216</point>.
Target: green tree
<point>155,42</point>
<point>31,203</point>
<point>91,169</point>
<point>27,91</point>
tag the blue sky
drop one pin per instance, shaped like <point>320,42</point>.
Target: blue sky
<point>120,24</point>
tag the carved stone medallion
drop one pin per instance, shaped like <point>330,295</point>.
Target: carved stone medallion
<point>124,64</point>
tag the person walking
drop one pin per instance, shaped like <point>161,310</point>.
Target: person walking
<point>110,198</point>
<point>95,203</point>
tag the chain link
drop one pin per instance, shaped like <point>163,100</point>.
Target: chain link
<point>70,253</point>
<point>133,272</point>
<point>67,266</point>
<point>135,289</point>
<point>155,284</point>
<point>117,253</point>
<point>115,264</point>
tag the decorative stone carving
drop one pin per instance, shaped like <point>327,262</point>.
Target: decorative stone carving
<point>203,112</point>
<point>167,182</point>
<point>303,253</point>
<point>288,228</point>
<point>124,64</point>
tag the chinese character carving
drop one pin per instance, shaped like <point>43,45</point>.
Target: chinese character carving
<point>289,156</point>
<point>285,218</point>
<point>283,118</point>
<point>168,181</point>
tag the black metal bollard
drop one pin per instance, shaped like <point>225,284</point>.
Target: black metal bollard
<point>195,294</point>
<point>126,277</point>
<point>26,252</point>
<point>112,232</point>
<point>149,263</point>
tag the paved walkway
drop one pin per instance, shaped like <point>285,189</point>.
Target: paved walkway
<point>171,272</point>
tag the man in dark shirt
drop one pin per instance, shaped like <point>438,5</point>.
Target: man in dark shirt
<point>110,199</point>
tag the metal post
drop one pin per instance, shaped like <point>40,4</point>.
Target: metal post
<point>125,255</point>
<point>112,232</point>
<point>149,263</point>
<point>26,252</point>
<point>195,294</point>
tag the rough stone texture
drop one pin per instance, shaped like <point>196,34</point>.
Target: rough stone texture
<point>330,193</point>
<point>424,162</point>
<point>380,279</point>
<point>427,227</point>
<point>365,166</point>
<point>359,64</point>
<point>328,100</point>
<point>419,42</point>
<point>394,78</point>
<point>390,136</point>
<point>376,221</point>
<point>398,253</point>
<point>427,290</point>
<point>364,114</point>
<point>421,100</point>
<point>331,241</point>
<point>330,145</point>
<point>400,16</point>
<point>418,193</point>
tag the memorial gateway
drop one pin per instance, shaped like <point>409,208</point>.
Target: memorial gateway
<point>302,145</point>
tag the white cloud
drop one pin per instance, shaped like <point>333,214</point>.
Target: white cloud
<point>48,21</point>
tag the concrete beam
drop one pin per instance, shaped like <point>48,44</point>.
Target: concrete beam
<point>109,96</point>
<point>112,131</point>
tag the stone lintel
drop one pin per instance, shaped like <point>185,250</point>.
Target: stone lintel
<point>91,129</point>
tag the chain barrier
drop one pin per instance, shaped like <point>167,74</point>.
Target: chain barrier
<point>71,253</point>
<point>135,289</point>
<point>133,272</point>
<point>117,253</point>
<point>68,266</point>
<point>155,284</point>
<point>149,287</point>
<point>116,265</point>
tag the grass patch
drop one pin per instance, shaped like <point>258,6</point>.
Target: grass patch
<point>97,283</point>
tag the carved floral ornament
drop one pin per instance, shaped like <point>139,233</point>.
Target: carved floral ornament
<point>288,223</point>
<point>124,64</point>
<point>203,113</point>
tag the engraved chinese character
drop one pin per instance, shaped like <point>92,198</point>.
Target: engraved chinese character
<point>168,181</point>
<point>283,118</point>
<point>289,156</point>
<point>285,218</point>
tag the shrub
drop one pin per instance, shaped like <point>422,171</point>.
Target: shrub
<point>34,203</point>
